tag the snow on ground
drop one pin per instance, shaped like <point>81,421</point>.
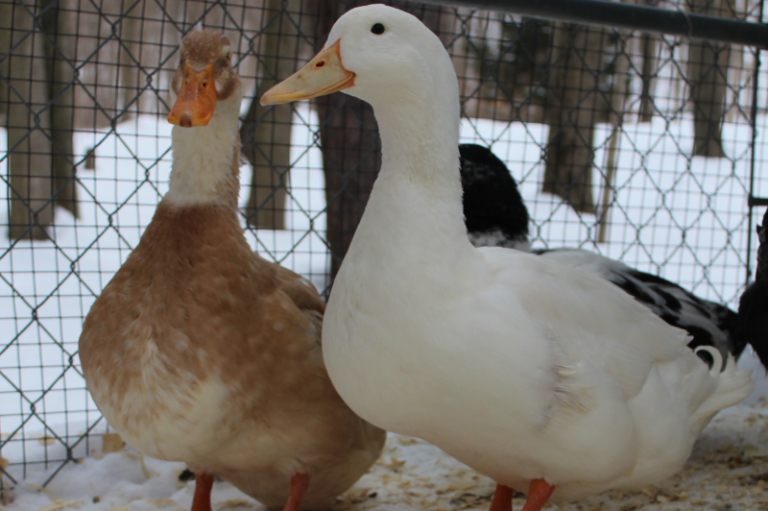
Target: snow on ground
<point>727,471</point>
<point>674,217</point>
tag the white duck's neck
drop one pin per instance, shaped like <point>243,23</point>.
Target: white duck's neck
<point>205,168</point>
<point>417,196</point>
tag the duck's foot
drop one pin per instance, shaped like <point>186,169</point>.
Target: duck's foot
<point>299,485</point>
<point>203,486</point>
<point>502,498</point>
<point>538,494</point>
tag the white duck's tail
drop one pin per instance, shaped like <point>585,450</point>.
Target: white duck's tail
<point>732,386</point>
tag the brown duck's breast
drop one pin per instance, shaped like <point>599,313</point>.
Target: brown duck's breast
<point>193,300</point>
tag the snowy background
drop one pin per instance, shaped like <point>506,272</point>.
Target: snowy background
<point>674,218</point>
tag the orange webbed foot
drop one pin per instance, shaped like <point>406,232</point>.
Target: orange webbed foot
<point>502,498</point>
<point>203,486</point>
<point>299,485</point>
<point>538,494</point>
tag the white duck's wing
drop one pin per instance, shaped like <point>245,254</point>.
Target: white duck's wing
<point>590,320</point>
<point>710,323</point>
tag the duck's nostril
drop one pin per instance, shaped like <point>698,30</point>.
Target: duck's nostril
<point>320,64</point>
<point>185,121</point>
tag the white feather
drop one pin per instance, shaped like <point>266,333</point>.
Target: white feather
<point>518,366</point>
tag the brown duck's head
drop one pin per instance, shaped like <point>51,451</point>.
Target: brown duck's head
<point>204,77</point>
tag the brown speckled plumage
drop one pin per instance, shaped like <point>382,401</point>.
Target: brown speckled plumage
<point>201,351</point>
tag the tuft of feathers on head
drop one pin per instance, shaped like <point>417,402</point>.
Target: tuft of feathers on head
<point>202,48</point>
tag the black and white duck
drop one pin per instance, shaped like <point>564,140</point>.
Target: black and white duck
<point>496,216</point>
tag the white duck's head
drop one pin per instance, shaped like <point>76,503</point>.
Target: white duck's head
<point>389,59</point>
<point>381,55</point>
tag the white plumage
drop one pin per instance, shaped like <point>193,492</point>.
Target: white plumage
<point>520,367</point>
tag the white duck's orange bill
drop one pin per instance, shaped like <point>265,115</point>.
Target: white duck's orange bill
<point>197,99</point>
<point>322,75</point>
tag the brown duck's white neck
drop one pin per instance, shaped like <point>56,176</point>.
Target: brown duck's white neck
<point>205,168</point>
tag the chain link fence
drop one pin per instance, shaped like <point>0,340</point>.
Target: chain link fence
<point>644,147</point>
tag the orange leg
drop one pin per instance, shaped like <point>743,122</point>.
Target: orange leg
<point>299,485</point>
<point>538,494</point>
<point>502,498</point>
<point>203,487</point>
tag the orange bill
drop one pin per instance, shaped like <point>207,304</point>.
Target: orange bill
<point>322,75</point>
<point>197,99</point>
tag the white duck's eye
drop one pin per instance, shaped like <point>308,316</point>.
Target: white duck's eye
<point>377,29</point>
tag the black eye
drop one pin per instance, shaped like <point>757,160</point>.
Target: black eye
<point>377,29</point>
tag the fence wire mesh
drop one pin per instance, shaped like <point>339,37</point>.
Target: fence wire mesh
<point>642,147</point>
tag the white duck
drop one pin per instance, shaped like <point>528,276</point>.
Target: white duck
<point>532,373</point>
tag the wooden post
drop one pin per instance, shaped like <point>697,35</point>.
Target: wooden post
<point>648,46</point>
<point>616,118</point>
<point>59,25</point>
<point>129,53</point>
<point>266,131</point>
<point>707,75</point>
<point>572,113</point>
<point>30,196</point>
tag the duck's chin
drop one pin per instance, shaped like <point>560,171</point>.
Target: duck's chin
<point>205,164</point>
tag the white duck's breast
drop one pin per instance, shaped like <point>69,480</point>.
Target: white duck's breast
<point>465,372</point>
<point>411,353</point>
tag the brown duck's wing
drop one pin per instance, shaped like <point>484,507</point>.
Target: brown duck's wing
<point>299,290</point>
<point>316,322</point>
<point>306,298</point>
